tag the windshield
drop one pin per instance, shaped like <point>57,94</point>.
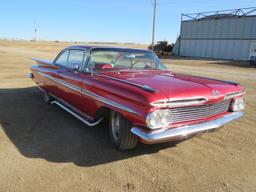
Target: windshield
<point>122,59</point>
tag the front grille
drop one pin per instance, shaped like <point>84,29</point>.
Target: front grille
<point>182,114</point>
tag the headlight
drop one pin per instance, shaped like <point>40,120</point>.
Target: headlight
<point>159,118</point>
<point>238,104</point>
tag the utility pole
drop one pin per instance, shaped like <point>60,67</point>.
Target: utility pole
<point>35,30</point>
<point>154,23</point>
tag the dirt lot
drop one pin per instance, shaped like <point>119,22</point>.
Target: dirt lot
<point>42,148</point>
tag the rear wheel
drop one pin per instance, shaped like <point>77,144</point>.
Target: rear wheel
<point>120,134</point>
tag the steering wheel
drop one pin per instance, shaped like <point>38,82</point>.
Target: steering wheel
<point>146,65</point>
<point>137,62</point>
<point>115,59</point>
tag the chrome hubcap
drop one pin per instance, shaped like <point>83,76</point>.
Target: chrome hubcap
<point>115,125</point>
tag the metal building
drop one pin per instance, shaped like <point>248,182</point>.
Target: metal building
<point>227,34</point>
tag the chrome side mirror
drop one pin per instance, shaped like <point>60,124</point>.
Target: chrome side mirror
<point>75,67</point>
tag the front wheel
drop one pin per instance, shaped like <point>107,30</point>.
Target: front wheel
<point>120,134</point>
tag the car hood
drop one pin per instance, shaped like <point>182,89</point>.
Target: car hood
<point>167,85</point>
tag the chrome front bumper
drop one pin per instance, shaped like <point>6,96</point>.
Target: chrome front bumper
<point>184,131</point>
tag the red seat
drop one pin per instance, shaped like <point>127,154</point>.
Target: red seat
<point>102,66</point>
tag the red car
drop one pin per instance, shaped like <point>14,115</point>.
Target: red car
<point>141,99</point>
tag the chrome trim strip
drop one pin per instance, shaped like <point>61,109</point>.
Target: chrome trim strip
<point>107,101</point>
<point>144,87</point>
<point>76,115</point>
<point>64,83</point>
<point>68,105</point>
<point>190,101</point>
<point>234,94</point>
<point>184,131</point>
<point>179,102</point>
<point>77,111</point>
<point>90,94</point>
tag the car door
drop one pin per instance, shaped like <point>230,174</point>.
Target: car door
<point>90,96</point>
<point>70,80</point>
<point>53,85</point>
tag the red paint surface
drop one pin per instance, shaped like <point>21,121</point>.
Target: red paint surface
<point>166,84</point>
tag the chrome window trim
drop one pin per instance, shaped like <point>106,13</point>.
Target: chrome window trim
<point>85,57</point>
<point>58,56</point>
<point>81,65</point>
<point>86,69</point>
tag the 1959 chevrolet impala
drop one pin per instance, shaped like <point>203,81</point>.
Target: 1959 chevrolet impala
<point>136,94</point>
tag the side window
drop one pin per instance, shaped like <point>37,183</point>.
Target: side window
<point>62,59</point>
<point>76,58</point>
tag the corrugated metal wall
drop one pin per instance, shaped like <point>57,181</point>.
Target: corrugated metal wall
<point>223,38</point>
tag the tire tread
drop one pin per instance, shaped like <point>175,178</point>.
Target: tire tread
<point>127,139</point>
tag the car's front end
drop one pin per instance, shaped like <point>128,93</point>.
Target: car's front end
<point>180,119</point>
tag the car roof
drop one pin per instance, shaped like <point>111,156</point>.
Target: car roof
<point>104,47</point>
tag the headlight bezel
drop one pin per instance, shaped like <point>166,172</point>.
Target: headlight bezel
<point>159,119</point>
<point>238,104</point>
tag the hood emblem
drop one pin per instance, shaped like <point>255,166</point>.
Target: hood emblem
<point>215,93</point>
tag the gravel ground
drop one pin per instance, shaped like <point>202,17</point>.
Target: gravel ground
<point>45,149</point>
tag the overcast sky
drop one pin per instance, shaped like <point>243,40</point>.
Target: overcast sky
<point>101,20</point>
